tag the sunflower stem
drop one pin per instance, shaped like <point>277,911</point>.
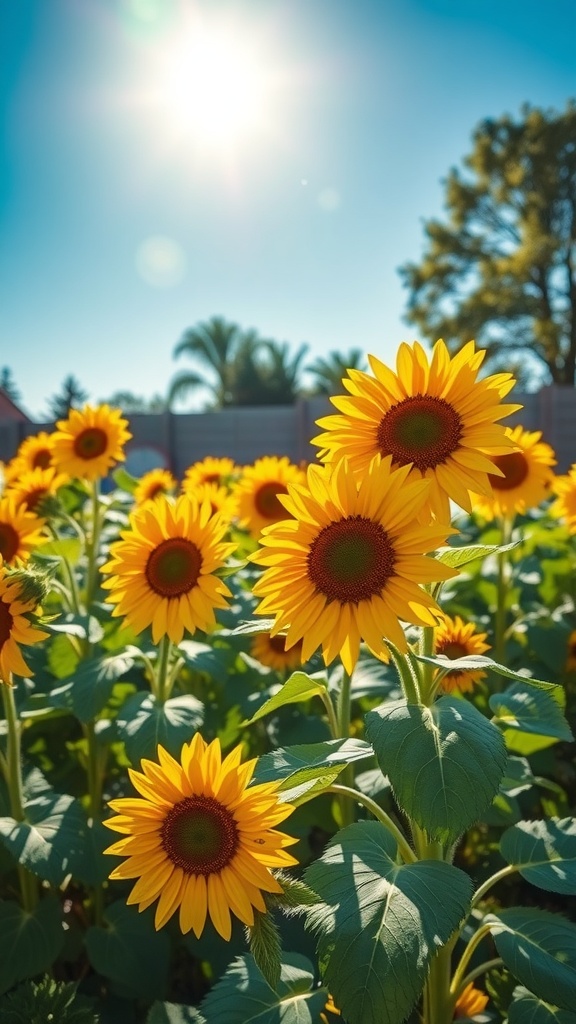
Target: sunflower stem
<point>427,672</point>
<point>343,716</point>
<point>460,972</point>
<point>438,1003</point>
<point>406,851</point>
<point>14,782</point>
<point>331,713</point>
<point>406,672</point>
<point>481,969</point>
<point>501,594</point>
<point>496,877</point>
<point>161,675</point>
<point>92,542</point>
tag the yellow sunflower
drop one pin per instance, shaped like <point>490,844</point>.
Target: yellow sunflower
<point>21,531</point>
<point>220,498</point>
<point>35,452</point>
<point>348,565</point>
<point>455,638</point>
<point>15,627</point>
<point>35,485</point>
<point>199,838</point>
<point>565,505</point>
<point>526,480</point>
<point>330,1007</point>
<point>258,488</point>
<point>162,571</point>
<point>470,1002</point>
<point>150,485</point>
<point>437,418</point>
<point>90,441</point>
<point>211,471</point>
<point>271,651</point>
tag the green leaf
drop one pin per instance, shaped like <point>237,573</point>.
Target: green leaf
<point>531,713</point>
<point>52,842</point>
<point>300,788</point>
<point>215,662</point>
<point>299,687</point>
<point>143,724</point>
<point>539,949</point>
<point>295,894</point>
<point>544,852</point>
<point>130,952</point>
<point>456,557</point>
<point>69,548</point>
<point>30,943</point>
<point>124,480</point>
<point>174,1013</point>
<point>381,922</point>
<point>528,1009</point>
<point>242,996</point>
<point>308,760</point>
<point>479,662</point>
<point>444,763</point>
<point>93,682</point>
<point>265,947</point>
<point>48,1000</point>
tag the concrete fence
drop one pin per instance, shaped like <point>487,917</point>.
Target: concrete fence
<point>176,440</point>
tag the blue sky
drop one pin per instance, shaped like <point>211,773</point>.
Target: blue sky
<point>123,220</point>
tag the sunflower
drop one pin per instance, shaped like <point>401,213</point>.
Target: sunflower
<point>150,485</point>
<point>571,652</point>
<point>220,498</point>
<point>348,565</point>
<point>35,485</point>
<point>35,452</point>
<point>162,571</point>
<point>470,1002</point>
<point>258,488</point>
<point>200,838</point>
<point>15,626</point>
<point>20,530</point>
<point>330,1008</point>
<point>90,441</point>
<point>526,480</point>
<point>455,638</point>
<point>565,505</point>
<point>211,471</point>
<point>271,651</point>
<point>436,418</point>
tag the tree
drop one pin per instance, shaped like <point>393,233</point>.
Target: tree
<point>328,372</point>
<point>8,384</point>
<point>213,345</point>
<point>71,396</point>
<point>502,267</point>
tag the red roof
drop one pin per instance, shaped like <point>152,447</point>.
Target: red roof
<point>10,411</point>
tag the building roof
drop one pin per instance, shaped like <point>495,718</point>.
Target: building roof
<point>10,411</point>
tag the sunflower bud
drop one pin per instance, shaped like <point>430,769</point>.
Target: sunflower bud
<point>34,582</point>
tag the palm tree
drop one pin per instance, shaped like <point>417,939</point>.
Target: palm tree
<point>212,344</point>
<point>328,372</point>
<point>283,372</point>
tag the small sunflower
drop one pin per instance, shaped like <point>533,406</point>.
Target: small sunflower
<point>35,452</point>
<point>455,638</point>
<point>271,651</point>
<point>15,627</point>
<point>258,488</point>
<point>470,1002</point>
<point>526,476</point>
<point>199,838</point>
<point>21,531</point>
<point>162,571</point>
<point>211,471</point>
<point>90,442</point>
<point>330,1008</point>
<point>34,486</point>
<point>220,498</point>
<point>565,505</point>
<point>150,485</point>
<point>348,565</point>
<point>436,418</point>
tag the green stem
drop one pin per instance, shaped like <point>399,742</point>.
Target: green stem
<point>428,683</point>
<point>472,975</point>
<point>14,782</point>
<point>483,889</point>
<point>408,679</point>
<point>331,713</point>
<point>161,675</point>
<point>406,851</point>
<point>343,726</point>
<point>92,542</point>
<point>438,1004</point>
<point>460,971</point>
<point>502,591</point>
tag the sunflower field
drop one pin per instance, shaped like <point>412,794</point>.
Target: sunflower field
<point>293,744</point>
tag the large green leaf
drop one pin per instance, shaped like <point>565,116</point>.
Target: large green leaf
<point>130,952</point>
<point>53,841</point>
<point>299,687</point>
<point>531,719</point>
<point>174,1013</point>
<point>539,949</point>
<point>381,922</point>
<point>215,662</point>
<point>30,943</point>
<point>544,852</point>
<point>479,662</point>
<point>456,557</point>
<point>444,762</point>
<point>93,682</point>
<point>143,723</point>
<point>242,996</point>
<point>306,761</point>
<point>528,1009</point>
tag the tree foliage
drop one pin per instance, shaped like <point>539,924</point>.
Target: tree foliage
<point>71,396</point>
<point>502,267</point>
<point>328,371</point>
<point>8,384</point>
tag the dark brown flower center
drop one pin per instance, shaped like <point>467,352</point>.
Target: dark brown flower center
<point>277,644</point>
<point>515,468</point>
<point>42,459</point>
<point>156,489</point>
<point>6,622</point>
<point>212,478</point>
<point>421,429</point>
<point>90,443</point>
<point>173,567</point>
<point>351,560</point>
<point>9,541</point>
<point>33,498</point>
<point>452,649</point>
<point>266,501</point>
<point>200,835</point>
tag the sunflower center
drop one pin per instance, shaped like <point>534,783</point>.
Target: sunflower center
<point>421,429</point>
<point>42,459</point>
<point>6,622</point>
<point>212,478</point>
<point>33,498</point>
<point>9,541</point>
<point>90,443</point>
<point>266,501</point>
<point>173,567</point>
<point>200,835</point>
<point>452,649</point>
<point>515,469</point>
<point>351,560</point>
<point>277,644</point>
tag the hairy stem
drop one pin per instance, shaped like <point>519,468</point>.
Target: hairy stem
<point>14,782</point>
